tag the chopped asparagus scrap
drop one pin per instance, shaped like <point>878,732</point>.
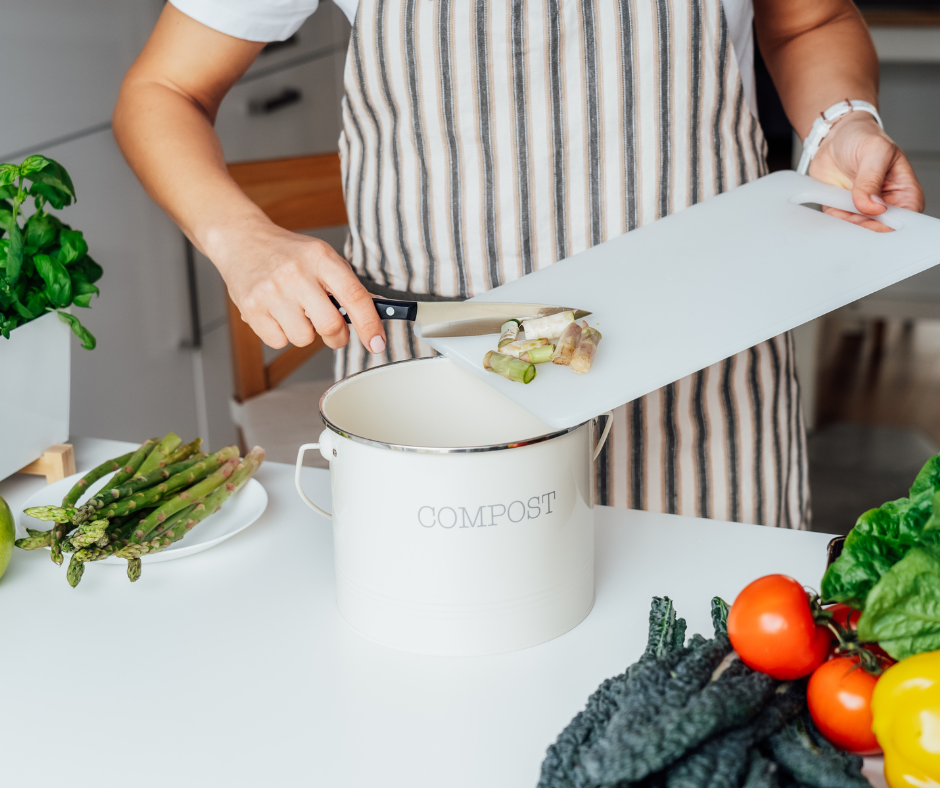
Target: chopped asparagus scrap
<point>516,349</point>
<point>539,355</point>
<point>550,327</point>
<point>510,330</point>
<point>567,344</point>
<point>510,368</point>
<point>583,357</point>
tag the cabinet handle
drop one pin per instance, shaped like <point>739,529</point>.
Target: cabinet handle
<point>271,104</point>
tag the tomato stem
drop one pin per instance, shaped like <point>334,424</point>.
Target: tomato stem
<point>847,642</point>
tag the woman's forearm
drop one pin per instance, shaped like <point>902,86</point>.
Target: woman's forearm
<point>163,125</point>
<point>171,146</point>
<point>818,52</point>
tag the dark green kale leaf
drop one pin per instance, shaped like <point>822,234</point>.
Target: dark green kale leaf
<point>761,772</point>
<point>722,762</point>
<point>562,765</point>
<point>802,753</point>
<point>635,746</point>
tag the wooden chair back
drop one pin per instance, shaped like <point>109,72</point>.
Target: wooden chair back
<point>302,193</point>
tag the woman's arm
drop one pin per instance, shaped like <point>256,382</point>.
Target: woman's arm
<point>819,53</point>
<point>163,124</point>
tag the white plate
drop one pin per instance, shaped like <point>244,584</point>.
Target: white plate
<point>240,511</point>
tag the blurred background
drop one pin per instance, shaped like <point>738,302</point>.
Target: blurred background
<point>167,358</point>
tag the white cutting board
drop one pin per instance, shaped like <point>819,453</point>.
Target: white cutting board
<point>700,285</point>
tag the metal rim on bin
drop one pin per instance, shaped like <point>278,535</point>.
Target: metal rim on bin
<point>430,449</point>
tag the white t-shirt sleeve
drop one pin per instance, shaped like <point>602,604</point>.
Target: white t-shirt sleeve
<point>252,20</point>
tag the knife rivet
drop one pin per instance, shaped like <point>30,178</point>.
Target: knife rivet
<point>342,311</point>
<point>389,311</point>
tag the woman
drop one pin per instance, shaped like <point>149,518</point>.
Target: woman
<point>483,141</point>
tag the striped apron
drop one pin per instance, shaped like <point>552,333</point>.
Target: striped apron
<point>485,140</point>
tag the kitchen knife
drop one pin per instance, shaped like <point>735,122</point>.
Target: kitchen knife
<point>460,318</point>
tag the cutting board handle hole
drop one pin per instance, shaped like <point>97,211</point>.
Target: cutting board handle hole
<point>871,223</point>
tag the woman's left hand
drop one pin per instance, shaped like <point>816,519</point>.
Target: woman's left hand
<point>856,154</point>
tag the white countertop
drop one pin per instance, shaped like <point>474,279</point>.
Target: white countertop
<point>232,667</point>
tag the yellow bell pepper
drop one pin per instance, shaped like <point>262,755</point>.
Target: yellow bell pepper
<point>906,712</point>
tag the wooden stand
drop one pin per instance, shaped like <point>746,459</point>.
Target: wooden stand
<point>57,463</point>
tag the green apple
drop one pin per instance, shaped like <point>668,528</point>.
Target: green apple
<point>7,535</point>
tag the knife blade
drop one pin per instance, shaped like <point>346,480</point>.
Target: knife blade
<point>460,318</point>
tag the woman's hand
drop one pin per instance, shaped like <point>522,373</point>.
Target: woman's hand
<point>856,154</point>
<point>280,282</point>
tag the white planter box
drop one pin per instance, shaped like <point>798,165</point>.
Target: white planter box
<point>34,391</point>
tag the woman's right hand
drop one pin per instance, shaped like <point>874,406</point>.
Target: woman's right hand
<point>281,281</point>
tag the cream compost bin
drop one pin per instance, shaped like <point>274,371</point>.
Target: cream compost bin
<point>462,524</point>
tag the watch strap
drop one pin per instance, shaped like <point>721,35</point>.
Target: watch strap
<point>824,123</point>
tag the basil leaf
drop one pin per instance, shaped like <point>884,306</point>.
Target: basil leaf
<point>88,341</point>
<point>89,268</point>
<point>83,300</point>
<point>14,257</point>
<point>55,197</point>
<point>902,612</point>
<point>58,282</point>
<point>33,164</point>
<point>41,230</point>
<point>8,174</point>
<point>80,283</point>
<point>21,309</point>
<point>73,246</point>
<point>52,174</point>
<point>7,192</point>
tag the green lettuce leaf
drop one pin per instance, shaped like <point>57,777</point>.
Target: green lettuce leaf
<point>865,559</point>
<point>902,611</point>
<point>928,478</point>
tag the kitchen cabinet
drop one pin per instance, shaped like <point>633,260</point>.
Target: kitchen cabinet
<point>63,63</point>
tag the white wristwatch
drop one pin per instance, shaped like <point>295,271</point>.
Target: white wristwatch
<point>824,123</point>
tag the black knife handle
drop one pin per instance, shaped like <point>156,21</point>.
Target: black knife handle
<point>387,308</point>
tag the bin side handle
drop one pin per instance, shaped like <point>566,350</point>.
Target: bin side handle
<point>300,464</point>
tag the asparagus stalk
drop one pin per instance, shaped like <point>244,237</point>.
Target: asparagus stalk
<point>184,451</point>
<point>538,355</point>
<point>35,540</point>
<point>90,533</point>
<point>567,344</point>
<point>56,514</point>
<point>139,482</point>
<point>92,476</point>
<point>128,471</point>
<point>151,496</point>
<point>511,368</point>
<point>75,571</point>
<point>176,527</point>
<point>509,331</point>
<point>584,356</point>
<point>182,500</point>
<point>157,458</point>
<point>550,327</point>
<point>516,349</point>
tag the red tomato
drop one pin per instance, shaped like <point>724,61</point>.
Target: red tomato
<point>839,699</point>
<point>771,627</point>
